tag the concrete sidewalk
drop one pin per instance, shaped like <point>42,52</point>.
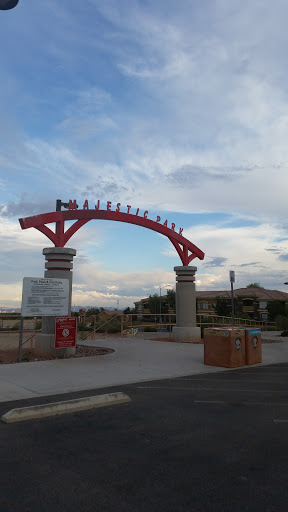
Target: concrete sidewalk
<point>134,360</point>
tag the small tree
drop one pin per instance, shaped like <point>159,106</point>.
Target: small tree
<point>275,308</point>
<point>92,311</point>
<point>253,285</point>
<point>130,311</point>
<point>171,299</point>
<point>221,307</point>
<point>154,303</point>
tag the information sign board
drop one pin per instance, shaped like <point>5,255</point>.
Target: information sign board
<point>232,276</point>
<point>45,297</point>
<point>65,332</point>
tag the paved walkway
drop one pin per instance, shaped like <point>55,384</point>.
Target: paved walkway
<point>134,360</point>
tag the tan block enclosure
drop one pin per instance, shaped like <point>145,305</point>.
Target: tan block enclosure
<point>224,347</point>
<point>253,346</point>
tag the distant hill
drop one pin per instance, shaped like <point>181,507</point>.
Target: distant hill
<point>76,308</point>
<point>8,309</point>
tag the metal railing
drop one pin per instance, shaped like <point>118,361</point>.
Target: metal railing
<point>133,324</point>
<point>226,321</point>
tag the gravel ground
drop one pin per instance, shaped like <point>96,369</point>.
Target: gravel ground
<point>28,355</point>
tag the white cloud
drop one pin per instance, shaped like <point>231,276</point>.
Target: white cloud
<point>93,284</point>
<point>183,110</point>
<point>248,252</point>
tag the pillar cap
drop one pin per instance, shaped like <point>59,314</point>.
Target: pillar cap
<point>59,250</point>
<point>185,269</point>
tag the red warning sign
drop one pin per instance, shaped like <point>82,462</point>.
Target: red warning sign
<point>65,331</point>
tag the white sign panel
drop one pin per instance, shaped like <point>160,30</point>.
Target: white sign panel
<point>232,276</point>
<point>45,297</point>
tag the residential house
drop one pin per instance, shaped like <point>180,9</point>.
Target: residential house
<point>252,301</point>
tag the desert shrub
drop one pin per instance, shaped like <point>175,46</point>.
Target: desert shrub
<point>281,323</point>
<point>206,326</point>
<point>92,311</point>
<point>37,324</point>
<point>84,327</point>
<point>113,328</point>
<point>101,329</point>
<point>15,327</point>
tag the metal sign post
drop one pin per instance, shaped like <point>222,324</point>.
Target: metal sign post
<point>20,340</point>
<point>232,280</point>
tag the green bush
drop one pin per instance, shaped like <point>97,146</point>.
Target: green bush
<point>281,323</point>
<point>101,329</point>
<point>150,329</point>
<point>82,335</point>
<point>284,333</point>
<point>109,327</point>
<point>15,327</point>
<point>113,328</point>
<point>206,326</point>
<point>37,325</point>
<point>271,328</point>
<point>243,316</point>
<point>84,327</point>
<point>92,311</point>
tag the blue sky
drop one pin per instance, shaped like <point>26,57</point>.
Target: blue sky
<point>177,108</point>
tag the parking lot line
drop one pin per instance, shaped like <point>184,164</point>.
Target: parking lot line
<point>226,380</point>
<point>171,388</point>
<point>243,403</point>
<point>209,402</point>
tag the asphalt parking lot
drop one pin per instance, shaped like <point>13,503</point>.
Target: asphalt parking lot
<point>206,442</point>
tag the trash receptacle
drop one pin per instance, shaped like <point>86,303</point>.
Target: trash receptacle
<point>253,346</point>
<point>224,347</point>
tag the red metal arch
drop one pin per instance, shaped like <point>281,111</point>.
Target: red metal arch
<point>186,250</point>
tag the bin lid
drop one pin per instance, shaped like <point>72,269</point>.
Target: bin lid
<point>253,331</point>
<point>222,331</point>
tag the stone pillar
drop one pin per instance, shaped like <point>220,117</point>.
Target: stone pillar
<point>58,264</point>
<point>186,328</point>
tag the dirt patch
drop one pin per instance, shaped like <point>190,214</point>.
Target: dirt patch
<point>172,341</point>
<point>28,354</point>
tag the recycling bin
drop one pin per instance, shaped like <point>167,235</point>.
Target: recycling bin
<point>224,347</point>
<point>253,346</point>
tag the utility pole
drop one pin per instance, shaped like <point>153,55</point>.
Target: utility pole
<point>232,280</point>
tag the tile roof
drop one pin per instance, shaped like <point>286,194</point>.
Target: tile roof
<point>255,293</point>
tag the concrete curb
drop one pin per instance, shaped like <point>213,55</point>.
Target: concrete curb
<point>68,406</point>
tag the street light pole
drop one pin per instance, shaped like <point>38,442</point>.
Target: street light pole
<point>232,280</point>
<point>160,288</point>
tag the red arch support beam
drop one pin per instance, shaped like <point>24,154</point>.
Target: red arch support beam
<point>186,250</point>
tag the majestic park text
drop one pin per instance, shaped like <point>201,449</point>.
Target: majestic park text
<point>108,206</point>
